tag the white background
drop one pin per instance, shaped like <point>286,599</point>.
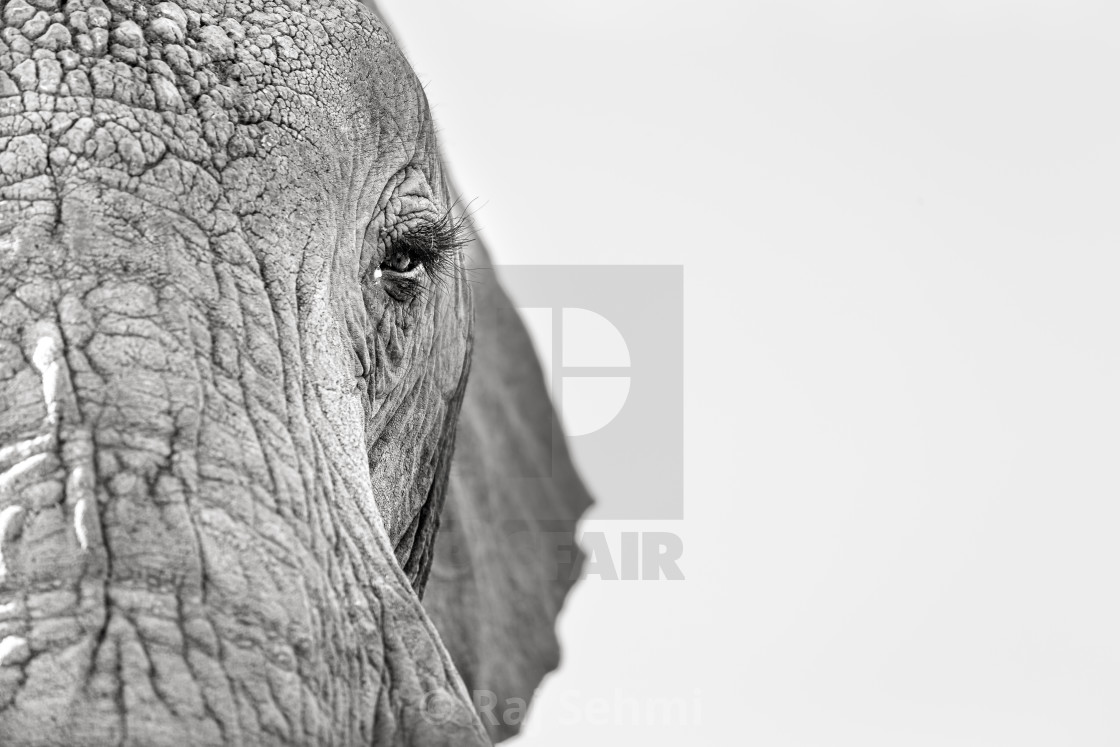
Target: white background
<point>899,225</point>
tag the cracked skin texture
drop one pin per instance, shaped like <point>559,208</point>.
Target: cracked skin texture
<point>223,446</point>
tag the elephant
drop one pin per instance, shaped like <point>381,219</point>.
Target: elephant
<point>277,461</point>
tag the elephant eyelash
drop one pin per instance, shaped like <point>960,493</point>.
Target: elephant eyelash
<point>434,245</point>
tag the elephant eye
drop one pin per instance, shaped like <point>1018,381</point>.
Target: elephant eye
<point>432,245</point>
<point>400,261</point>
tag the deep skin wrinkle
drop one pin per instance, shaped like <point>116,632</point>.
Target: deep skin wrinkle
<point>223,446</point>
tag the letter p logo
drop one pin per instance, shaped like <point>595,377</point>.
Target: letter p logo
<point>610,341</point>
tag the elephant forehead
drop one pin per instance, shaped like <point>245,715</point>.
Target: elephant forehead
<point>206,83</point>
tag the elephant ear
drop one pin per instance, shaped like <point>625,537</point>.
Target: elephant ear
<point>505,554</point>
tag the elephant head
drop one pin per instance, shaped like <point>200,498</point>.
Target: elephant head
<point>235,335</point>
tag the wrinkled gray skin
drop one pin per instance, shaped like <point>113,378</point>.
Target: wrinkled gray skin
<point>225,445</point>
